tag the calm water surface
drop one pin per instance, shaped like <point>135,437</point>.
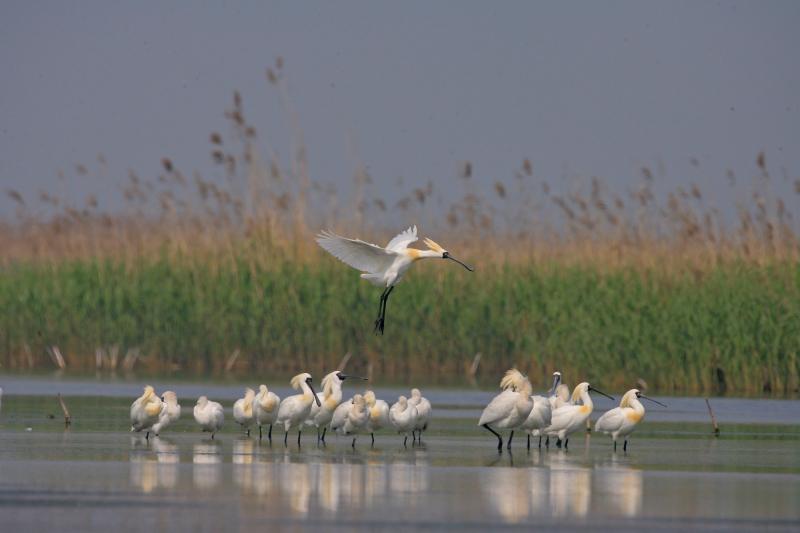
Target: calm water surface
<point>96,476</point>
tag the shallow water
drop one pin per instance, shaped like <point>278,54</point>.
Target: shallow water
<point>97,476</point>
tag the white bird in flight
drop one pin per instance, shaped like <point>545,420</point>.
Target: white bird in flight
<point>381,266</point>
<point>622,420</point>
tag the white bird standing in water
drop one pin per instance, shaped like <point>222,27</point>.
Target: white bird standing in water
<point>569,418</point>
<point>622,420</point>
<point>330,398</point>
<point>355,420</point>
<point>378,413</point>
<point>266,405</point>
<point>294,410</point>
<point>403,416</point>
<point>510,408</point>
<point>381,266</point>
<point>540,414</point>
<point>145,410</point>
<point>243,411</point>
<point>170,411</point>
<point>423,413</point>
<point>209,415</point>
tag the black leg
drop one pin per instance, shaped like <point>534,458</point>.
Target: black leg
<point>547,442</point>
<point>509,439</point>
<point>260,433</point>
<point>354,443</point>
<point>248,432</point>
<point>147,436</point>
<point>540,442</point>
<point>499,438</point>
<point>324,430</point>
<point>558,443</point>
<point>298,436</point>
<point>212,436</point>
<point>381,312</point>
<point>286,438</point>
<point>625,446</point>
<point>615,445</point>
<point>405,441</point>
<point>566,444</point>
<point>270,434</point>
<point>529,441</point>
<point>373,438</point>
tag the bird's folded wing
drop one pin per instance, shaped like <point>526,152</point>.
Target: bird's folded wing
<point>500,407</point>
<point>358,254</point>
<point>610,421</point>
<point>401,241</point>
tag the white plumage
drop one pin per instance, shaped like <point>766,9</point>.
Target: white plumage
<point>423,412</point>
<point>570,418</point>
<point>294,410</point>
<point>355,419</point>
<point>145,411</point>
<point>382,266</point>
<point>209,415</point>
<point>510,408</point>
<point>378,414</point>
<point>170,411</point>
<point>243,411</point>
<point>403,417</point>
<point>622,420</point>
<point>329,399</point>
<point>266,406</point>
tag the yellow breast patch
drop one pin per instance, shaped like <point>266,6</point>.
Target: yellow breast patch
<point>585,410</point>
<point>633,416</point>
<point>330,404</point>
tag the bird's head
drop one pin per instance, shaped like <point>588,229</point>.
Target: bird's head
<point>444,254</point>
<point>638,394</point>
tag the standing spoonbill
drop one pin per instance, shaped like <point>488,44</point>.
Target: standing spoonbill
<point>294,410</point>
<point>170,412</point>
<point>540,414</point>
<point>423,413</point>
<point>403,416</point>
<point>209,415</point>
<point>569,418</point>
<point>378,413</point>
<point>266,403</point>
<point>243,411</point>
<point>510,408</point>
<point>329,399</point>
<point>622,420</point>
<point>355,420</point>
<point>145,411</point>
<point>383,267</point>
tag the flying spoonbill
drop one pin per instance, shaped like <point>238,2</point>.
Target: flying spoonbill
<point>243,411</point>
<point>383,266</point>
<point>569,418</point>
<point>294,410</point>
<point>145,410</point>
<point>423,413</point>
<point>170,412</point>
<point>266,403</point>
<point>622,420</point>
<point>329,399</point>
<point>209,415</point>
<point>403,416</point>
<point>540,414</point>
<point>378,413</point>
<point>510,408</point>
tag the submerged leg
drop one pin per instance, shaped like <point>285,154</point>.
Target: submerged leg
<point>509,439</point>
<point>286,438</point>
<point>540,441</point>
<point>354,443</point>
<point>558,443</point>
<point>499,438</point>
<point>625,446</point>
<point>324,430</point>
<point>299,432</point>
<point>373,438</point>
<point>529,441</point>
<point>260,433</point>
<point>547,442</point>
<point>248,432</point>
<point>405,441</point>
<point>270,434</point>
<point>147,436</point>
<point>566,444</point>
<point>615,444</point>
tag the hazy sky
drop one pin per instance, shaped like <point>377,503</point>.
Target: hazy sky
<point>411,89</point>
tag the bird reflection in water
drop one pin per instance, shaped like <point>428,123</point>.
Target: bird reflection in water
<point>570,487</point>
<point>152,471</point>
<point>207,464</point>
<point>621,487</point>
<point>243,454</point>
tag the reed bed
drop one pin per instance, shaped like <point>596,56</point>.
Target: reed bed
<point>217,274</point>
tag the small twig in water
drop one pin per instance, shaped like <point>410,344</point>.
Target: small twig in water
<point>67,417</point>
<point>713,419</point>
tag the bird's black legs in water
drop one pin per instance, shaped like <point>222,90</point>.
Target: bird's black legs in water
<point>324,430</point>
<point>147,436</point>
<point>508,445</point>
<point>248,432</point>
<point>270,433</point>
<point>354,443</point>
<point>260,435</point>
<point>615,445</point>
<point>558,443</point>
<point>625,446</point>
<point>382,310</point>
<point>298,436</point>
<point>566,444</point>
<point>405,441</point>
<point>373,438</point>
<point>547,442</point>
<point>286,438</point>
<point>499,438</point>
<point>540,441</point>
<point>529,441</point>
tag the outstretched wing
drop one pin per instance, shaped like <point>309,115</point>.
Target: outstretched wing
<point>401,241</point>
<point>358,254</point>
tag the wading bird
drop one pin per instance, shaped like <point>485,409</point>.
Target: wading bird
<point>378,414</point>
<point>329,399</point>
<point>403,417</point>
<point>294,410</point>
<point>355,420</point>
<point>243,411</point>
<point>540,414</point>
<point>381,266</point>
<point>622,420</point>
<point>266,406</point>
<point>145,410</point>
<point>510,408</point>
<point>569,418</point>
<point>423,413</point>
<point>209,415</point>
<point>170,411</point>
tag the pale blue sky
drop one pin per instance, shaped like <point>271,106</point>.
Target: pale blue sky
<point>581,88</point>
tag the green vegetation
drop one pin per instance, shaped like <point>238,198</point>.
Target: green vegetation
<point>734,329</point>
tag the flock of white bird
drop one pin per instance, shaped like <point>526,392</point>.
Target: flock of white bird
<point>361,414</point>
<point>559,414</point>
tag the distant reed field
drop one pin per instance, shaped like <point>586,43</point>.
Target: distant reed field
<point>197,274</point>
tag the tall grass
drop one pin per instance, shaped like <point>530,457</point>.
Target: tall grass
<point>610,286</point>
